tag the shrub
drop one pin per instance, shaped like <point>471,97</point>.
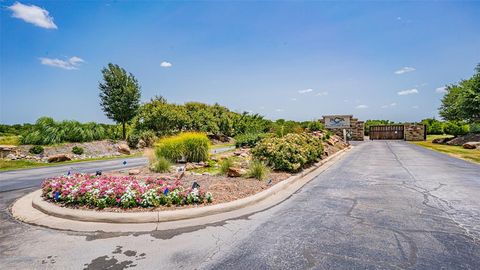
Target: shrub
<point>456,128</point>
<point>148,137</point>
<point>258,170</point>
<point>475,128</point>
<point>191,146</point>
<point>226,165</point>
<point>249,139</point>
<point>126,192</point>
<point>160,165</point>
<point>36,149</point>
<point>77,150</point>
<point>133,140</point>
<point>290,153</point>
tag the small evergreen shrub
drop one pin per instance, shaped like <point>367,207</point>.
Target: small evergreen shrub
<point>133,140</point>
<point>249,139</point>
<point>191,146</point>
<point>77,150</point>
<point>290,153</point>
<point>161,165</point>
<point>36,149</point>
<point>456,128</point>
<point>475,128</point>
<point>225,165</point>
<point>258,170</point>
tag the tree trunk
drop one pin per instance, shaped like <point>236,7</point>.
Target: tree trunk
<point>124,135</point>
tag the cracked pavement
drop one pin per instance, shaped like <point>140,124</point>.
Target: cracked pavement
<point>384,205</point>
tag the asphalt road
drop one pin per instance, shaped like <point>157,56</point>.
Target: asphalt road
<point>384,205</point>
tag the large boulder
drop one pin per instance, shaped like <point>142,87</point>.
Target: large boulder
<point>235,172</point>
<point>123,148</point>
<point>134,172</point>
<point>471,145</point>
<point>441,140</point>
<point>58,158</point>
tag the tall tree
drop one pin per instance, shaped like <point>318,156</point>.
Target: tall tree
<point>119,95</point>
<point>462,100</point>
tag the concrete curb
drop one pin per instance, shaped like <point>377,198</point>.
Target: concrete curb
<point>32,207</point>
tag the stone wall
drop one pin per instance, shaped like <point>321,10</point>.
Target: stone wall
<point>356,130</point>
<point>414,132</point>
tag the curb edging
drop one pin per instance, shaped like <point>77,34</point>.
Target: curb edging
<point>271,196</point>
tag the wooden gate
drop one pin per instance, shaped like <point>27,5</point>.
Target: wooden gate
<point>391,132</point>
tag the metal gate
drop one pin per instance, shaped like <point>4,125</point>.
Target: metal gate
<point>391,132</point>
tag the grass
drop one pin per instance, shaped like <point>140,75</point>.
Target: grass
<point>7,165</point>
<point>10,140</point>
<point>452,150</point>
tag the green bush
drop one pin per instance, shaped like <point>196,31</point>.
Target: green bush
<point>249,139</point>
<point>456,128</point>
<point>77,150</point>
<point>475,128</point>
<point>160,165</point>
<point>190,146</point>
<point>36,149</point>
<point>133,140</point>
<point>225,165</point>
<point>258,170</point>
<point>148,137</point>
<point>290,153</point>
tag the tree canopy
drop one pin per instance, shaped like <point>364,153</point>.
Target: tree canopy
<point>119,95</point>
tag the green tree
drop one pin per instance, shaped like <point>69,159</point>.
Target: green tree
<point>462,100</point>
<point>119,95</point>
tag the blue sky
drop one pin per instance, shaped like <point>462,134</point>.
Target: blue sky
<point>293,60</point>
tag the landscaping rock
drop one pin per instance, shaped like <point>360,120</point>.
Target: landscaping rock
<point>123,148</point>
<point>58,158</point>
<point>471,145</point>
<point>235,172</point>
<point>441,140</point>
<point>460,140</point>
<point>133,172</point>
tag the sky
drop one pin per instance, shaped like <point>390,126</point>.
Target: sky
<point>291,59</point>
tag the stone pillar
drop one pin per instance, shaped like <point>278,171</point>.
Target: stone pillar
<point>414,132</point>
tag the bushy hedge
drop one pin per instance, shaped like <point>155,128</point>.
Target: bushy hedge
<point>456,128</point>
<point>249,139</point>
<point>190,146</point>
<point>290,153</point>
<point>48,131</point>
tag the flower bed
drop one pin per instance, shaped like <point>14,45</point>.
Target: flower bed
<point>126,192</point>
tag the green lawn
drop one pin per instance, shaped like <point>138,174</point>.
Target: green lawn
<point>452,150</point>
<point>10,140</point>
<point>6,165</point>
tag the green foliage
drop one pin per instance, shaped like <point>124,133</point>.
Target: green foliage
<point>258,170</point>
<point>119,95</point>
<point>47,131</point>
<point>132,140</point>
<point>249,139</point>
<point>313,125</point>
<point>191,146</point>
<point>160,165</point>
<point>461,102</point>
<point>14,130</point>
<point>10,140</point>
<point>291,152</point>
<point>226,165</point>
<point>165,118</point>
<point>370,123</point>
<point>36,149</point>
<point>281,127</point>
<point>475,128</point>
<point>148,137</point>
<point>77,150</point>
<point>434,127</point>
<point>456,128</point>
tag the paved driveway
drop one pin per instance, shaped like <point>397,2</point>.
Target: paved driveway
<point>385,205</point>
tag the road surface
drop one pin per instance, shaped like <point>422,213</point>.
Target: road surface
<point>384,205</point>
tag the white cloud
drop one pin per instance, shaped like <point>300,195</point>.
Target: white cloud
<point>32,14</point>
<point>293,99</point>
<point>69,64</point>
<point>393,104</point>
<point>404,70</point>
<point>279,110</point>
<point>305,91</point>
<point>415,107</point>
<point>361,106</point>
<point>165,64</point>
<point>407,92</point>
<point>324,93</point>
<point>441,90</point>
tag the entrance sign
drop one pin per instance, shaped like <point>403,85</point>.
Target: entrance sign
<point>337,121</point>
